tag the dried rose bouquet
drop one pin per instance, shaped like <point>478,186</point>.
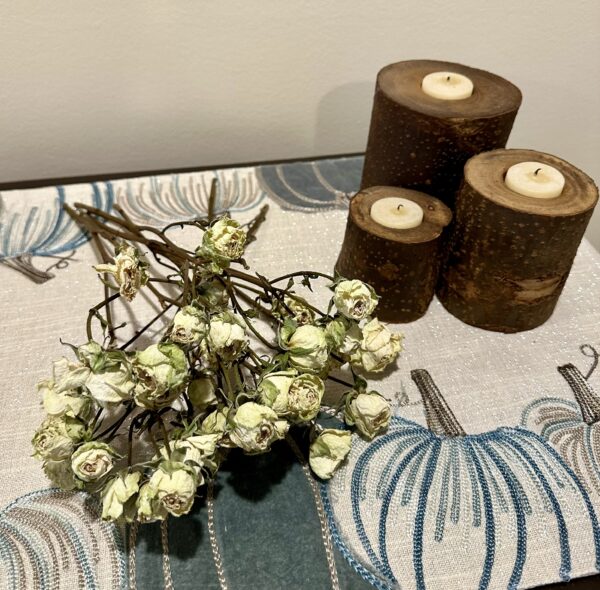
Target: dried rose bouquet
<point>241,360</point>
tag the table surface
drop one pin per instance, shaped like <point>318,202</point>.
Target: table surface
<point>50,285</point>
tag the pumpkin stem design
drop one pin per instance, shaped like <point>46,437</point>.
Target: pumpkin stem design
<point>440,419</point>
<point>585,396</point>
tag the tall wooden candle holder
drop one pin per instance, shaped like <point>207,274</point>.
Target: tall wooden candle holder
<point>401,264</point>
<point>509,255</point>
<point>422,142</point>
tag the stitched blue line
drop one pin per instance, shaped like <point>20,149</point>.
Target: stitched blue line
<point>490,529</point>
<point>341,546</point>
<point>362,535</point>
<point>563,535</point>
<point>517,495</point>
<point>421,507</point>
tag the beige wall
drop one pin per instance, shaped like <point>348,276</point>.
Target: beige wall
<point>113,86</point>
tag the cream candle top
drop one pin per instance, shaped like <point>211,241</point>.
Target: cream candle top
<point>447,86</point>
<point>534,179</point>
<point>397,213</point>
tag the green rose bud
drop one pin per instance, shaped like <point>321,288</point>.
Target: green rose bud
<point>160,373</point>
<point>215,422</point>
<point>378,349</point>
<point>61,474</point>
<point>118,496</point>
<point>354,299</point>
<point>223,242</point>
<point>56,437</point>
<point>189,325</point>
<point>255,427</point>
<point>212,294</point>
<point>93,460</point>
<point>304,397</point>
<point>112,380</point>
<point>171,490</point>
<point>307,347</point>
<point>129,270</point>
<point>335,332</point>
<point>92,355</point>
<point>369,412</point>
<point>328,451</point>
<point>227,336</point>
<point>273,390</point>
<point>202,393</point>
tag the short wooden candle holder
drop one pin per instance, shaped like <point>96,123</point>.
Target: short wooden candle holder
<point>400,264</point>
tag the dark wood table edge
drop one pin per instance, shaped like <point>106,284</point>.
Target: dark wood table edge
<point>587,583</point>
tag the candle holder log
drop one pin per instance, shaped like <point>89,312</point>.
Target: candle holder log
<point>401,264</point>
<point>420,142</point>
<point>508,255</point>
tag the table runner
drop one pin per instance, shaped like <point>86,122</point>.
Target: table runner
<point>512,502</point>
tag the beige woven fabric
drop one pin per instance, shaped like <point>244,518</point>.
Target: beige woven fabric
<point>488,380</point>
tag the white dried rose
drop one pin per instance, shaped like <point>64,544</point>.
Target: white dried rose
<point>223,242</point>
<point>273,390</point>
<point>196,451</point>
<point>379,347</point>
<point>68,376</point>
<point>112,380</point>
<point>304,397</point>
<point>93,460</point>
<point>255,427</point>
<point>307,347</point>
<point>351,342</point>
<point>328,451</point>
<point>56,437</point>
<point>354,299</point>
<point>227,336</point>
<point>369,411</point>
<point>160,373</point>
<point>70,402</point>
<point>117,494</point>
<point>170,490</point>
<point>202,393</point>
<point>189,325</point>
<point>129,270</point>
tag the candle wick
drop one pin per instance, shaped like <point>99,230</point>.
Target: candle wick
<point>398,207</point>
<point>448,79</point>
<point>536,172</point>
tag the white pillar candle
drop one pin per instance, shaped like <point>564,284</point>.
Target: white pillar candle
<point>397,213</point>
<point>447,86</point>
<point>534,179</point>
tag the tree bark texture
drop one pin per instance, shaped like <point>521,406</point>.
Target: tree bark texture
<point>508,255</point>
<point>420,142</point>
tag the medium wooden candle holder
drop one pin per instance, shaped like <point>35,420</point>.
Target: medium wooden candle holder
<point>400,264</point>
<point>508,255</point>
<point>420,142</point>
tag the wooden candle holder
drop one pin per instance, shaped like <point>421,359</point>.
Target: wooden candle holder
<point>508,255</point>
<point>420,142</point>
<point>400,264</point>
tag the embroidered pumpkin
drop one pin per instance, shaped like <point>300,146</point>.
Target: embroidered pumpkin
<point>437,508</point>
<point>571,427</point>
